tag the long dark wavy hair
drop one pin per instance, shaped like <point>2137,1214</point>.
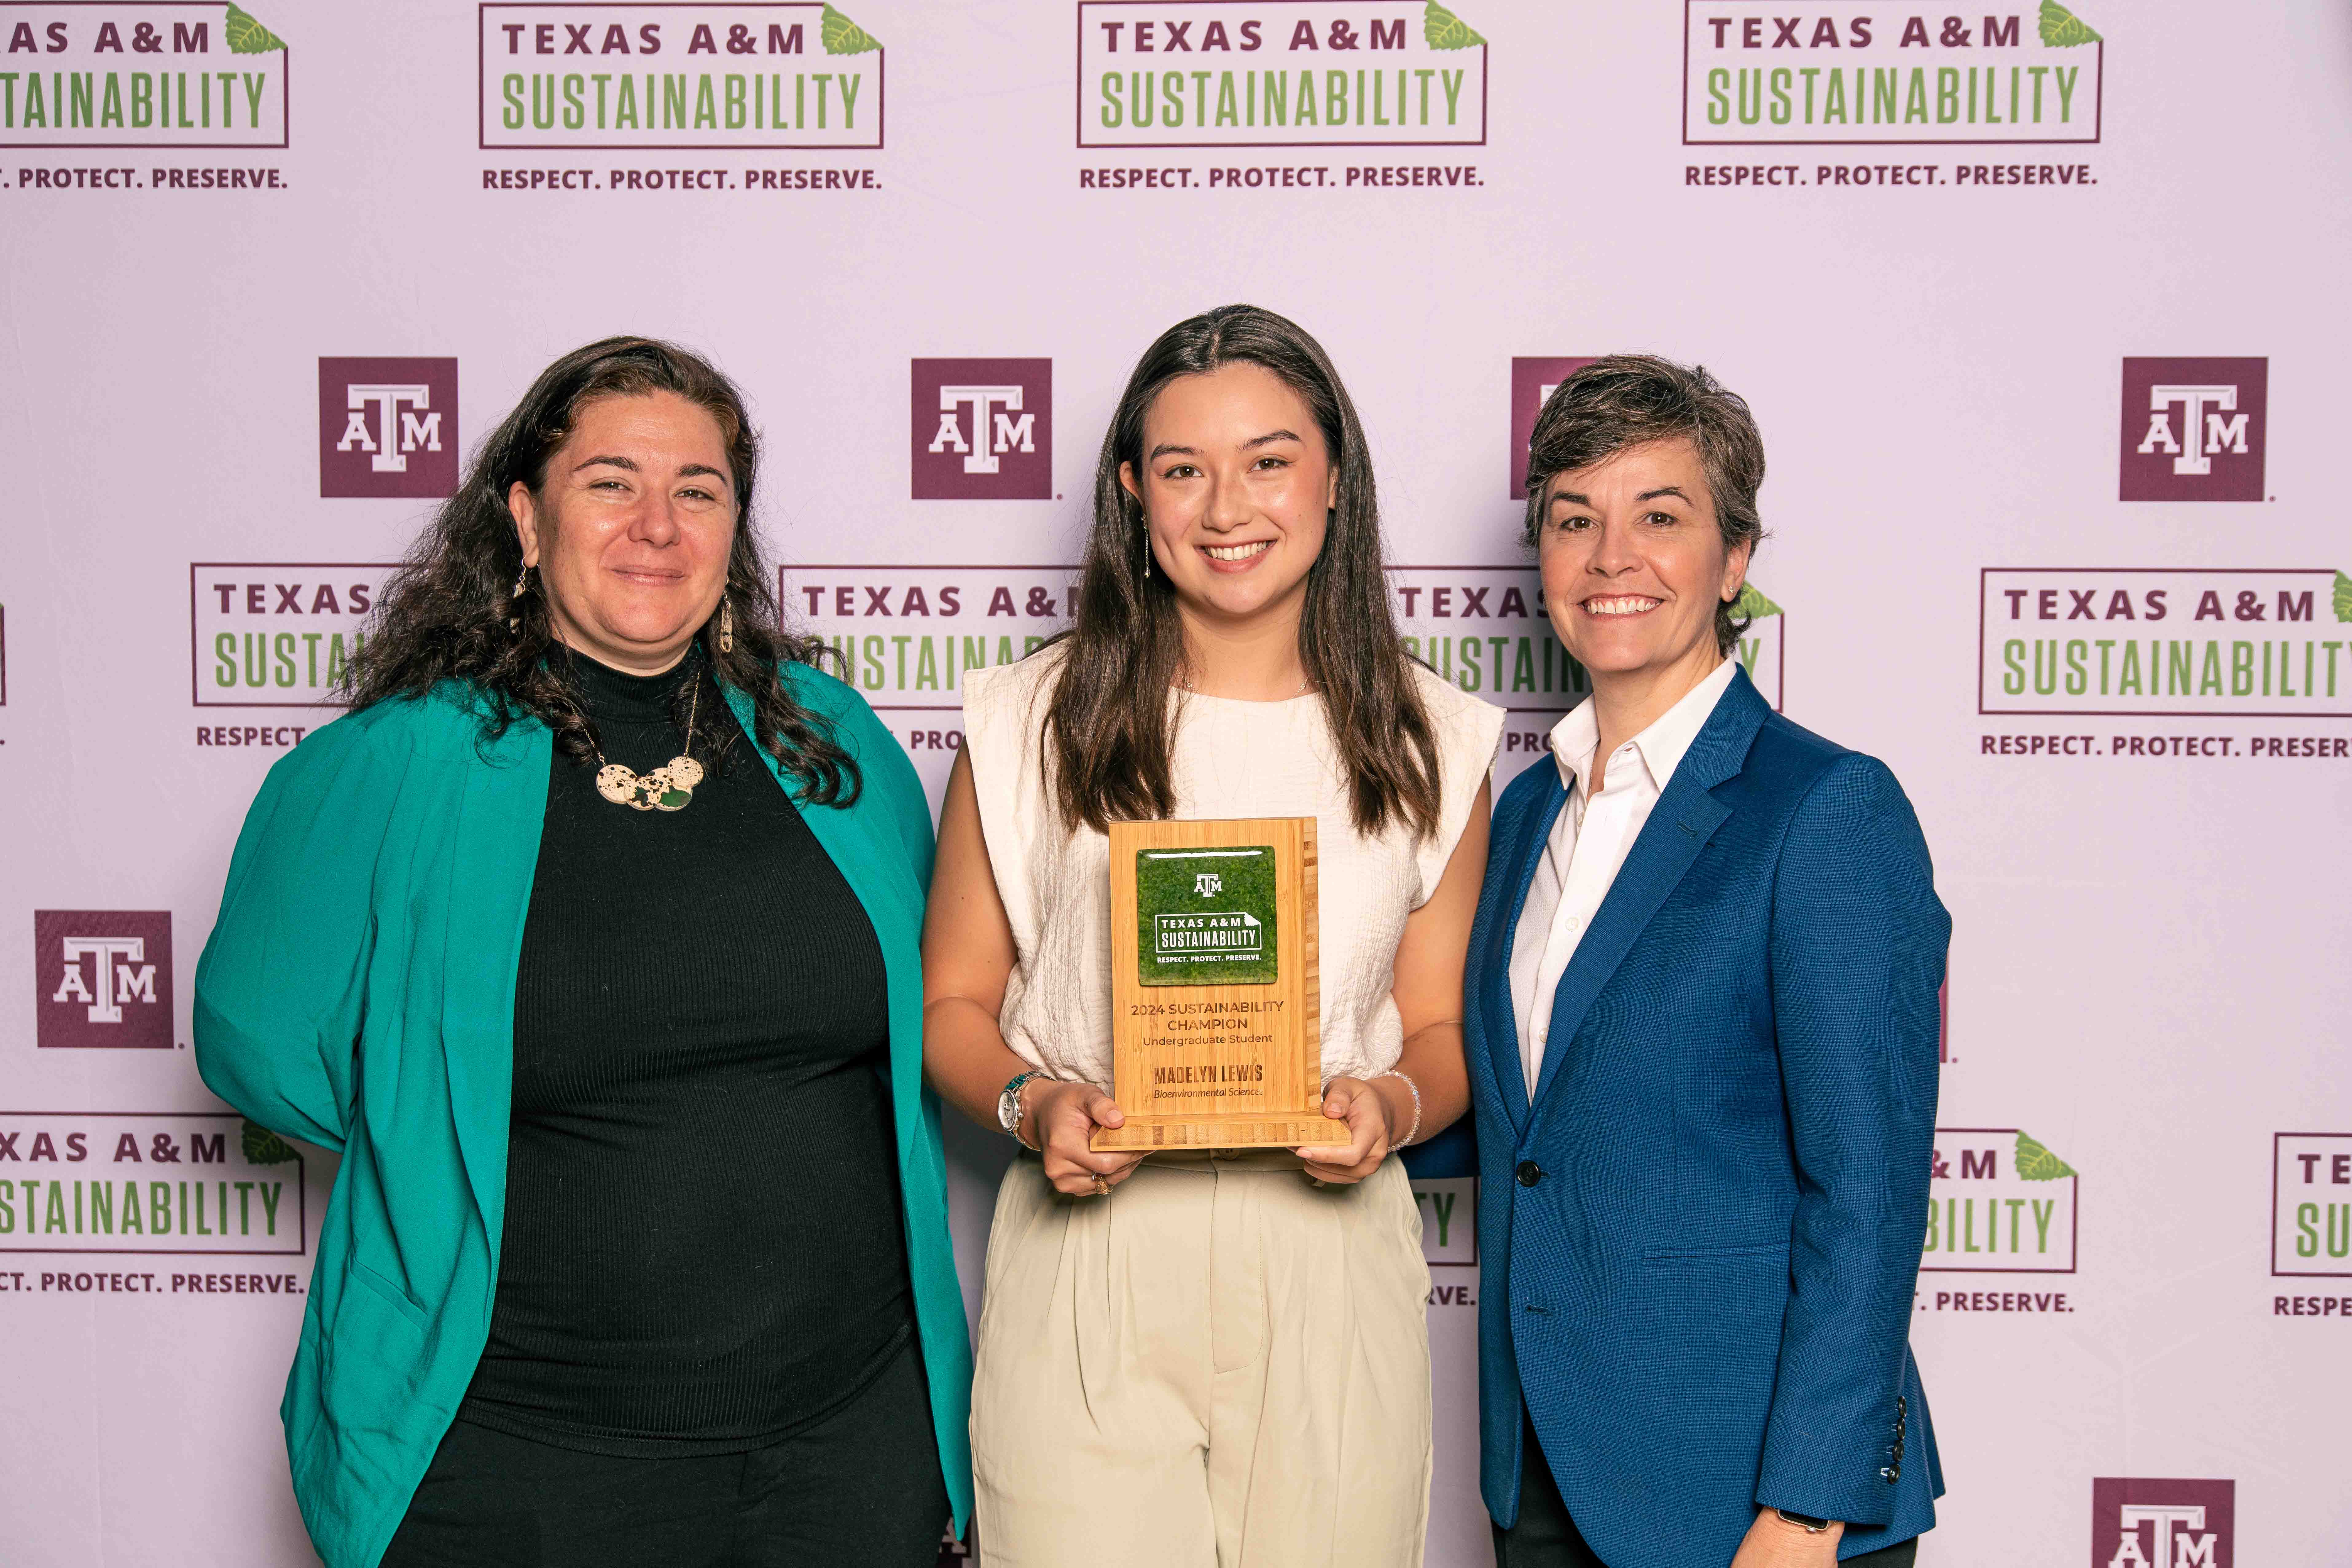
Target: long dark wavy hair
<point>1107,728</point>
<point>449,614</point>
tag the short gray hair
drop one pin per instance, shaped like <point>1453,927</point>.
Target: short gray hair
<point>1627,400</point>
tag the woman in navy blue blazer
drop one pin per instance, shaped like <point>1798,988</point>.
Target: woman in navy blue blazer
<point>1701,1014</point>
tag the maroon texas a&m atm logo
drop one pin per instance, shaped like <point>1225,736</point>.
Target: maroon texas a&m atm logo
<point>387,427</point>
<point>1533,380</point>
<point>2163,1524</point>
<point>2194,429</point>
<point>102,978</point>
<point>983,429</point>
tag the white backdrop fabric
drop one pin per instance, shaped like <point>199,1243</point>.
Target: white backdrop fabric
<point>2041,313</point>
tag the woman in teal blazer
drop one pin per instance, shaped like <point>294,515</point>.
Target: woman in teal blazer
<point>460,945</point>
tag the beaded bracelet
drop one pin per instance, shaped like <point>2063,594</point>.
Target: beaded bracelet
<point>1412,1088</point>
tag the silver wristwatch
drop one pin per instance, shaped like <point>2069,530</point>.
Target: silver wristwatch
<point>1008,1104</point>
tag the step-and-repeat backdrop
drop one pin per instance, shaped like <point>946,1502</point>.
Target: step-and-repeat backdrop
<point>2041,312</point>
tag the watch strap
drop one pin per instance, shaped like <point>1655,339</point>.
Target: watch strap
<point>1008,1104</point>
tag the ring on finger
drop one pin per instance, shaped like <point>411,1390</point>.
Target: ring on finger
<point>1102,1187</point>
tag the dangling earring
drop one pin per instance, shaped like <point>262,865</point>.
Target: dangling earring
<point>522,581</point>
<point>726,626</point>
<point>1143,527</point>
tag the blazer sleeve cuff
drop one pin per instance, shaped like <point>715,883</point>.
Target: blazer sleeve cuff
<point>1868,1502</point>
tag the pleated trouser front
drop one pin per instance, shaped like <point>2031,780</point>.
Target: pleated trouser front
<point>1219,1365</point>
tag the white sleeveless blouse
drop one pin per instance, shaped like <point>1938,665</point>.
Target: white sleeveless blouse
<point>1227,759</point>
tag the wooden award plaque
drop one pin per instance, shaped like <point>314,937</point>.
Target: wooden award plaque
<point>1216,1037</point>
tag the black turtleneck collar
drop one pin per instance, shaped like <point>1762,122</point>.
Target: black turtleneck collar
<point>609,696</point>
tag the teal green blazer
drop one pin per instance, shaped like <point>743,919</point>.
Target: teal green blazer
<point>358,993</point>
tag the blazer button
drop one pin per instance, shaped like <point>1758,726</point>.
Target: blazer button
<point>1529,1172</point>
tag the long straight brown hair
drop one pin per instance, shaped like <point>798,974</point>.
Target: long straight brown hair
<point>1107,729</point>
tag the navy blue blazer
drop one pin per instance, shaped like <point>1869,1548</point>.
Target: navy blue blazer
<point>1698,1245</point>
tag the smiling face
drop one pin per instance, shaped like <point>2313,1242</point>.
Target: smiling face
<point>631,529</point>
<point>1634,564</point>
<point>1236,486</point>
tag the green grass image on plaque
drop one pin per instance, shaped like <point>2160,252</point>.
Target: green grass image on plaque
<point>1205,917</point>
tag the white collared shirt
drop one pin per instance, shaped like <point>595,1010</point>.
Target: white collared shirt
<point>1588,846</point>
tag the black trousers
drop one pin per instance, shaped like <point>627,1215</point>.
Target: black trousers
<point>1546,1537</point>
<point>860,1487</point>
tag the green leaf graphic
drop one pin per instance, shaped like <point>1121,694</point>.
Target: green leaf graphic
<point>2343,598</point>
<point>1444,30</point>
<point>2035,1164</point>
<point>263,1147</point>
<point>1754,605</point>
<point>844,36</point>
<point>246,36</point>
<point>2061,29</point>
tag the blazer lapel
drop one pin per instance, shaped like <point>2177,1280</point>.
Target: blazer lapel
<point>1686,816</point>
<point>1500,1010</point>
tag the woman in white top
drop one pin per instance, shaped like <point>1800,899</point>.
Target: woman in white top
<point>1210,1359</point>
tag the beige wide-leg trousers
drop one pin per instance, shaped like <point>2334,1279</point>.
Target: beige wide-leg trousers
<point>1219,1365</point>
